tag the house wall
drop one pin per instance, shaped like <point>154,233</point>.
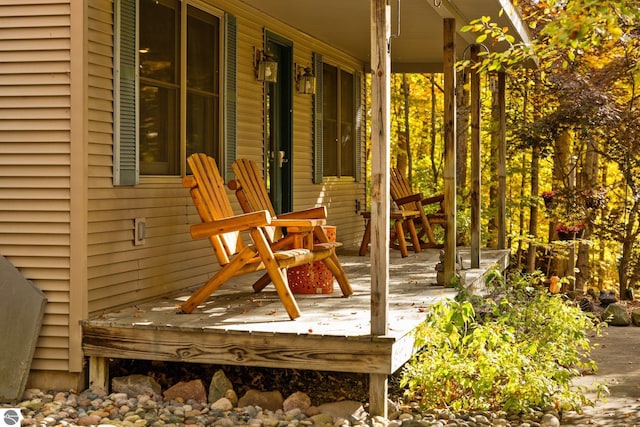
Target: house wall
<point>36,163</point>
<point>62,222</point>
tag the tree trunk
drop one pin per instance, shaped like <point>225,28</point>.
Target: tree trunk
<point>434,162</point>
<point>560,180</point>
<point>492,225</point>
<point>401,136</point>
<point>533,209</point>
<point>407,128</point>
<point>462,150</point>
<point>588,176</point>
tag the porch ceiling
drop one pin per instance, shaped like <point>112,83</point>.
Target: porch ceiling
<point>418,48</point>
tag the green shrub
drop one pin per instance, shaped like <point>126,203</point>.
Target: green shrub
<point>515,351</point>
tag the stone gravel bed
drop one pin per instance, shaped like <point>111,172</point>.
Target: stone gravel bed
<point>89,408</point>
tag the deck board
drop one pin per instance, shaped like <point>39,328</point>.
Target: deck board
<point>238,327</point>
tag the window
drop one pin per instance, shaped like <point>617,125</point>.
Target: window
<point>338,129</point>
<point>168,87</point>
<point>162,88</point>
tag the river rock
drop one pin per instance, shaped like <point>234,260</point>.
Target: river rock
<point>135,385</point>
<point>297,400</point>
<point>219,386</point>
<point>345,409</point>
<point>187,390</point>
<point>270,400</point>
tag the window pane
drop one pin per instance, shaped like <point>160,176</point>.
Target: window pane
<point>202,119</point>
<point>158,40</point>
<point>202,82</point>
<point>159,91</point>
<point>347,128</point>
<point>202,50</point>
<point>159,150</point>
<point>330,119</point>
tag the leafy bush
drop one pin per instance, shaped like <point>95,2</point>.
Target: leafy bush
<point>513,352</point>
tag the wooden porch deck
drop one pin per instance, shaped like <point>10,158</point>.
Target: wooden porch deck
<point>238,327</point>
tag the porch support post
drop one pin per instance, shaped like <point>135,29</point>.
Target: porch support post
<point>449,149</point>
<point>475,161</point>
<point>380,209</point>
<point>502,163</point>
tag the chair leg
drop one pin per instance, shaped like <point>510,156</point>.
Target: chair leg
<point>333,264</point>
<point>402,243</point>
<point>261,283</point>
<point>428,231</point>
<point>366,237</point>
<point>411,227</point>
<point>218,279</point>
<point>278,275</point>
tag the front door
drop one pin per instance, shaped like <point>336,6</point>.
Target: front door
<point>279,133</point>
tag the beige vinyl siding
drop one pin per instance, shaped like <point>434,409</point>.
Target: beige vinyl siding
<point>35,176</point>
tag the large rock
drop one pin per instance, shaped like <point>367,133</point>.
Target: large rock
<point>219,387</point>
<point>297,400</point>
<point>191,390</point>
<point>616,315</point>
<point>635,317</point>
<point>136,385</point>
<point>270,400</point>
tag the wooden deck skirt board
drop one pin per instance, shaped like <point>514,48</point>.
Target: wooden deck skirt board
<point>238,327</point>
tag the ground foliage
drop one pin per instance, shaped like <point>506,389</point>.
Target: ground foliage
<point>514,350</point>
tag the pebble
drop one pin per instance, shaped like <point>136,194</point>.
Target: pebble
<point>43,409</point>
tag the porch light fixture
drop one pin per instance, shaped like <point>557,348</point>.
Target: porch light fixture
<point>305,80</point>
<point>265,66</point>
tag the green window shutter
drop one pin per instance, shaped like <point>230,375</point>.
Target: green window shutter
<point>318,153</point>
<point>358,120</point>
<point>125,150</point>
<point>230,94</point>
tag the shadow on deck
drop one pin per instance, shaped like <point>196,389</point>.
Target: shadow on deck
<point>238,327</point>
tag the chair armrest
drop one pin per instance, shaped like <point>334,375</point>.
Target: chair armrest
<point>189,181</point>
<point>234,223</point>
<point>298,222</point>
<point>233,185</point>
<point>433,199</point>
<point>319,212</point>
<point>417,197</point>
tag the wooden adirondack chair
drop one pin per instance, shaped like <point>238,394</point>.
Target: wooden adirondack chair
<point>407,199</point>
<point>223,229</point>
<point>252,195</point>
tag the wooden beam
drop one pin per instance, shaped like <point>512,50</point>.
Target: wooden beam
<point>380,209</point>
<point>323,353</point>
<point>99,373</point>
<point>449,60</point>
<point>380,158</point>
<point>476,153</point>
<point>502,163</point>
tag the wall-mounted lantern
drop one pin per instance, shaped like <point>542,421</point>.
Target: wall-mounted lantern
<point>305,80</point>
<point>265,66</point>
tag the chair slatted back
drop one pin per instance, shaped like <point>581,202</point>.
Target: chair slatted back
<point>211,201</point>
<point>399,186</point>
<point>254,192</point>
